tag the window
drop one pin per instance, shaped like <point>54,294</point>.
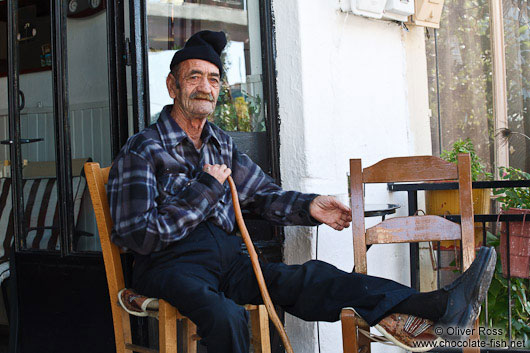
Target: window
<point>459,62</point>
<point>240,105</point>
<point>459,59</point>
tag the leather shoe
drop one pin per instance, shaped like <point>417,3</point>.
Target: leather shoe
<point>409,332</point>
<point>465,295</point>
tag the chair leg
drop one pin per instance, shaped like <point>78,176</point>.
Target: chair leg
<point>475,337</point>
<point>364,342</point>
<point>190,336</point>
<point>167,327</point>
<point>349,331</point>
<point>126,326</point>
<point>352,341</point>
<point>259,322</point>
<point>122,328</point>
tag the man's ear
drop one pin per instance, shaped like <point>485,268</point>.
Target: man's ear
<point>171,84</point>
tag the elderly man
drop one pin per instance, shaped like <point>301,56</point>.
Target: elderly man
<point>171,206</point>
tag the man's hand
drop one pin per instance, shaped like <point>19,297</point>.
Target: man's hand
<point>329,210</point>
<point>219,172</point>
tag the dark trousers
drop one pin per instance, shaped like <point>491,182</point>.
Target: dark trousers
<point>206,277</point>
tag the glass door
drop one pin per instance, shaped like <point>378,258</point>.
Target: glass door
<point>29,168</point>
<point>89,113</point>
<point>56,117</point>
<point>59,118</point>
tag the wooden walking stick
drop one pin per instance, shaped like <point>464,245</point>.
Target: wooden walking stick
<point>257,269</point>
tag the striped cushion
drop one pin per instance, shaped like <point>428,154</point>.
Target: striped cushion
<point>41,214</point>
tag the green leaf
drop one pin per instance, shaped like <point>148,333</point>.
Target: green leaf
<point>516,325</point>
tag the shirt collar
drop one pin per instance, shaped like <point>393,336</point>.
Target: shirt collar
<point>172,134</point>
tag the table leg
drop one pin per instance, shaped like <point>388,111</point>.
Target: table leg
<point>414,247</point>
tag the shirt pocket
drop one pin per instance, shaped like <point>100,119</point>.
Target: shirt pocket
<point>172,183</point>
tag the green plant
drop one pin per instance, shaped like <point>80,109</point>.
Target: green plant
<point>236,109</point>
<point>237,113</point>
<point>513,197</point>
<point>498,302</point>
<point>225,115</point>
<point>478,169</point>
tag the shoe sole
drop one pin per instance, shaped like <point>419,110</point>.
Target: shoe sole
<point>473,309</point>
<point>486,274</point>
<point>392,339</point>
<point>131,312</point>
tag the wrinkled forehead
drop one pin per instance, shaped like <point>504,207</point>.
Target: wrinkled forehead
<point>198,65</point>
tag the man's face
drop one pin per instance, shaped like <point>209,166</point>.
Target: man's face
<point>198,88</point>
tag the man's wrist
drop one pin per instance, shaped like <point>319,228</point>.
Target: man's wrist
<point>306,206</point>
<point>213,189</point>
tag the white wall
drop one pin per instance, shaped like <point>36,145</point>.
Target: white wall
<point>349,87</point>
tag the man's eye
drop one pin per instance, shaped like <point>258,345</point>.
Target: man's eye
<point>194,78</point>
<point>214,81</point>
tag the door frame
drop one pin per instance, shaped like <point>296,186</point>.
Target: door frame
<point>117,63</point>
<point>15,152</point>
<point>270,91</point>
<point>63,157</point>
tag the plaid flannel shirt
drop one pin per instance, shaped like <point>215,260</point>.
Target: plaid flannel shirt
<point>158,192</point>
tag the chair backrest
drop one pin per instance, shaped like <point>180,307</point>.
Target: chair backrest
<point>97,178</point>
<point>412,228</point>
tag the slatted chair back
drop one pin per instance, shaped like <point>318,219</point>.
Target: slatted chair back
<point>414,228</point>
<point>97,178</point>
<point>405,229</point>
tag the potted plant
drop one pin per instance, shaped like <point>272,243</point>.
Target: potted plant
<point>238,112</point>
<point>441,202</point>
<point>238,109</point>
<point>515,201</point>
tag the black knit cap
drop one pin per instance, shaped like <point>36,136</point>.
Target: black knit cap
<point>205,45</point>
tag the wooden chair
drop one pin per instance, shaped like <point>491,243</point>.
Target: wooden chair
<point>404,229</point>
<point>167,315</point>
